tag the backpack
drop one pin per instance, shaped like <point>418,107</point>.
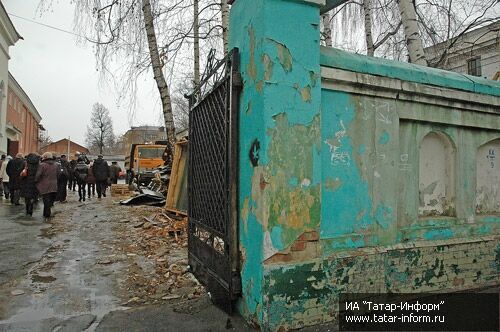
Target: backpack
<point>81,171</point>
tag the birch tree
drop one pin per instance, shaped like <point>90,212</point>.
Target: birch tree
<point>412,33</point>
<point>225,25</point>
<point>196,48</point>
<point>158,71</point>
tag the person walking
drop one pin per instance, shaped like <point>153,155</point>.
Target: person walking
<point>28,185</point>
<point>46,182</point>
<point>72,180</point>
<point>2,159</point>
<point>101,173</point>
<point>62,180</point>
<point>81,175</point>
<point>114,172</point>
<point>91,181</point>
<point>5,177</point>
<point>14,169</point>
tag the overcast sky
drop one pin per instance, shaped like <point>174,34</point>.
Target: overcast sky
<point>60,77</point>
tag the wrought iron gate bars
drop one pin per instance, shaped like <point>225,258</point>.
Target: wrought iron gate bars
<point>213,180</point>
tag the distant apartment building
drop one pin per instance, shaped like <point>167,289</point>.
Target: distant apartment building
<point>23,121</point>
<point>8,37</point>
<point>476,52</point>
<point>65,146</point>
<point>142,134</point>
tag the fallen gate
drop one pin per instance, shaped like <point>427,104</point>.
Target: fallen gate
<point>213,180</point>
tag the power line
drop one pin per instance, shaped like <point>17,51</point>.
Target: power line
<point>46,25</point>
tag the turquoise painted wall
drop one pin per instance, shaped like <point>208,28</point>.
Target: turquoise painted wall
<point>322,170</point>
<point>279,45</point>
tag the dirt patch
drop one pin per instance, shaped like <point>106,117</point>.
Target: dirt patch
<point>42,279</point>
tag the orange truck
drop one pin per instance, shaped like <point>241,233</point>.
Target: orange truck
<point>143,160</point>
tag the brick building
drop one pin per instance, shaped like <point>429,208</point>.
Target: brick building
<point>8,37</point>
<point>23,121</point>
<point>63,146</point>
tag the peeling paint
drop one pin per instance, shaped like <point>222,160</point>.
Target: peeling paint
<point>333,197</point>
<point>268,67</point>
<point>284,56</point>
<point>305,93</point>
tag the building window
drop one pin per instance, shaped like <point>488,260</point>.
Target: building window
<point>474,67</point>
<point>436,176</point>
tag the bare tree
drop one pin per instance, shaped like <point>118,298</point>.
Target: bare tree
<point>381,26</point>
<point>412,32</point>
<point>225,24</point>
<point>158,71</point>
<point>44,140</point>
<point>100,130</point>
<point>326,33</point>
<point>196,30</point>
<point>444,22</point>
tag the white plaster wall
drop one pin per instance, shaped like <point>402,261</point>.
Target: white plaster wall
<point>490,64</point>
<point>4,76</point>
<point>435,176</point>
<point>488,178</point>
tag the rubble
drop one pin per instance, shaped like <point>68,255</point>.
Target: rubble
<point>155,244</point>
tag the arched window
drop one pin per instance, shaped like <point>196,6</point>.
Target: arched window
<point>488,178</point>
<point>436,176</point>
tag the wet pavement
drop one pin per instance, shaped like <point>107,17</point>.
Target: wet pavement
<point>64,275</point>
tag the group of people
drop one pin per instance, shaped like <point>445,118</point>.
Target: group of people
<point>49,177</point>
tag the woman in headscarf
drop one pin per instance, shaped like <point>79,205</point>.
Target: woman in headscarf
<point>28,185</point>
<point>46,182</point>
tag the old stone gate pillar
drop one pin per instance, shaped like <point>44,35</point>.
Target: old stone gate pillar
<point>280,169</point>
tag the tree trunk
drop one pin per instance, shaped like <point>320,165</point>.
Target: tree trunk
<point>327,30</point>
<point>370,49</point>
<point>225,25</point>
<point>158,72</point>
<point>412,34</point>
<point>196,31</point>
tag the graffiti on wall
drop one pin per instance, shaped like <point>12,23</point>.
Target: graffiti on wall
<point>488,179</point>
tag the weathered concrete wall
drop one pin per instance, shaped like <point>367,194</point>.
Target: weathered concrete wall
<point>356,175</point>
<point>279,115</point>
<point>488,178</point>
<point>304,294</point>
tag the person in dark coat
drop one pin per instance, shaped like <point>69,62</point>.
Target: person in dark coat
<point>28,185</point>
<point>81,175</point>
<point>101,173</point>
<point>14,169</point>
<point>1,182</point>
<point>46,182</point>
<point>114,172</point>
<point>62,181</point>
<point>91,181</point>
<point>72,180</point>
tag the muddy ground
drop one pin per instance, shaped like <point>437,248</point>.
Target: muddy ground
<point>98,265</point>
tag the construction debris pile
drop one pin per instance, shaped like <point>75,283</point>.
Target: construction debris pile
<point>159,269</point>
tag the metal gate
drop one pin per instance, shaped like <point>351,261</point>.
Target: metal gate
<point>213,180</point>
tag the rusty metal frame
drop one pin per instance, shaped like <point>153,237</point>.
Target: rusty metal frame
<point>213,180</point>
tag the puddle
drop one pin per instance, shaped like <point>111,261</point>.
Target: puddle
<point>44,279</point>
